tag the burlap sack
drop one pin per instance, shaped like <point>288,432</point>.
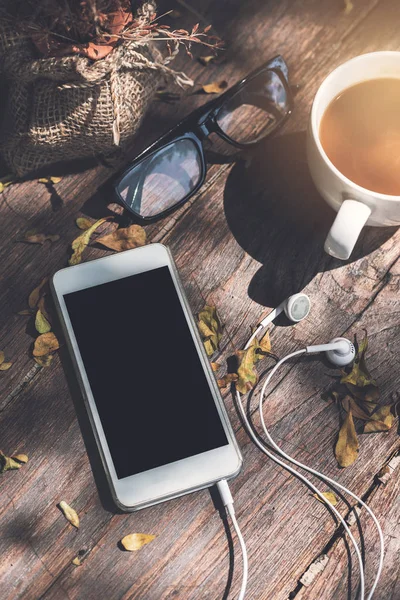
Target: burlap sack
<point>66,108</point>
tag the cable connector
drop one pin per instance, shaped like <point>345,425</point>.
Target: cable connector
<point>226,495</point>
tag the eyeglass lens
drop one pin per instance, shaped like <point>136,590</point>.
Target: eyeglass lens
<point>163,179</point>
<point>255,110</point>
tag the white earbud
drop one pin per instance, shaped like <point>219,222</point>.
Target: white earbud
<point>296,309</point>
<point>340,351</point>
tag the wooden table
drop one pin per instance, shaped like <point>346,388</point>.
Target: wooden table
<point>252,236</point>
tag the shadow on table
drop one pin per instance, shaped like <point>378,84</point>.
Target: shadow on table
<point>278,217</point>
<point>89,440</point>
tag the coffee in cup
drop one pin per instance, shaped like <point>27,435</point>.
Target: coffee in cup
<point>353,146</point>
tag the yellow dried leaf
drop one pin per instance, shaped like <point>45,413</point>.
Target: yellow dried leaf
<point>76,561</point>
<point>135,541</point>
<point>8,463</point>
<point>41,323</point>
<point>350,403</point>
<point>42,307</point>
<point>348,6</point>
<point>83,223</point>
<point>210,328</point>
<point>359,375</point>
<point>215,366</point>
<point>4,366</point>
<point>50,179</point>
<point>44,361</point>
<point>37,293</point>
<point>206,60</point>
<point>346,450</point>
<point>264,345</point>
<point>79,244</point>
<point>247,375</point>
<point>69,513</point>
<point>32,237</point>
<point>124,239</point>
<point>247,359</point>
<point>381,420</point>
<point>45,344</point>
<point>5,182</point>
<point>330,496</point>
<point>215,87</point>
<point>227,379</point>
<point>22,458</point>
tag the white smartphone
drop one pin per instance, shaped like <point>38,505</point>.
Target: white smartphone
<point>152,399</point>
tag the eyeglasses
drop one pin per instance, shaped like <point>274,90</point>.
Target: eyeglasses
<point>173,168</point>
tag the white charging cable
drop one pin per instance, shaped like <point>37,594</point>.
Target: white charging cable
<point>337,348</point>
<point>227,500</point>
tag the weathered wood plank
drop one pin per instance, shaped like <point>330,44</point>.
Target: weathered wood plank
<point>333,582</point>
<point>219,245</point>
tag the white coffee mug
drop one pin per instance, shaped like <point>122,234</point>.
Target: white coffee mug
<point>356,206</point>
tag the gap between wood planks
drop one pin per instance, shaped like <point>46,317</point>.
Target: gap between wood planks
<point>339,534</point>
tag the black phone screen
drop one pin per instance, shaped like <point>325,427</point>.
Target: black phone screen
<point>149,386</point>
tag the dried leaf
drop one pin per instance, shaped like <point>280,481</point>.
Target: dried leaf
<point>79,244</point>
<point>8,463</point>
<point>124,239</point>
<point>381,420</point>
<point>32,237</point>
<point>264,345</point>
<point>4,184</point>
<point>346,450</point>
<point>227,379</point>
<point>210,328</point>
<point>206,60</point>
<point>37,293</point>
<point>4,366</point>
<point>45,344</point>
<point>368,395</point>
<point>359,375</point>
<point>76,561</point>
<point>83,223</point>
<point>215,87</point>
<point>330,496</point>
<point>348,6</point>
<point>22,458</point>
<point>25,313</point>
<point>247,359</point>
<point>135,541</point>
<point>349,403</point>
<point>247,375</point>
<point>41,323</point>
<point>215,366</point>
<point>41,305</point>
<point>69,513</point>
<point>44,361</point>
<point>50,180</point>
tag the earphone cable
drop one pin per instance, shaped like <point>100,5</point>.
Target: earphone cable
<point>227,500</point>
<point>317,473</point>
<point>308,483</point>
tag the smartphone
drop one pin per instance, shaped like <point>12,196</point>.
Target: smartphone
<point>155,408</point>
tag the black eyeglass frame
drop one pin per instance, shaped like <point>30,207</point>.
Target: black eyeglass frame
<point>198,125</point>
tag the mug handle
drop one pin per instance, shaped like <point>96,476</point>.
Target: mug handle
<point>346,228</point>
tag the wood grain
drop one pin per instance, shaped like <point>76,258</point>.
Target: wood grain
<point>252,236</point>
